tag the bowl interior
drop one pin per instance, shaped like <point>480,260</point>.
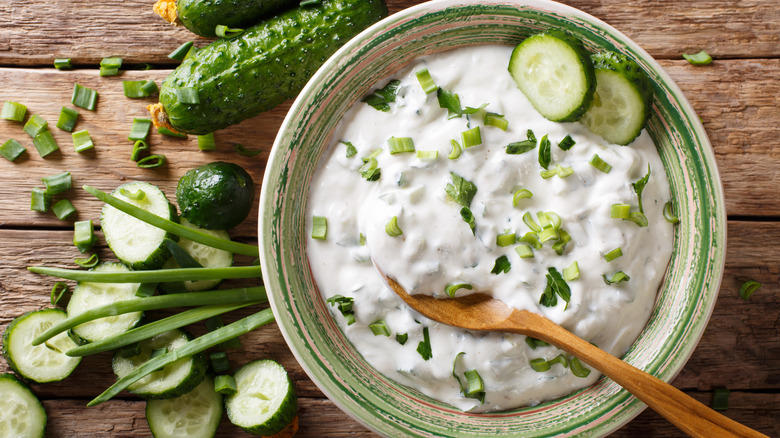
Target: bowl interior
<point>685,300</point>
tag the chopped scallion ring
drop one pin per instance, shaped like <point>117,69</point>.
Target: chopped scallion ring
<point>468,217</point>
<point>496,120</point>
<point>63,64</point>
<point>246,152</point>
<point>152,161</point>
<point>60,294</point>
<point>620,211</point>
<point>532,239</point>
<point>84,235</point>
<point>392,229</point>
<point>549,173</point>
<point>475,385</point>
<point>617,277</point>
<point>45,144</point>
<point>747,289</point>
<point>533,343</point>
<point>701,58</point>
<point>471,137</point>
<point>638,218</point>
<point>181,51</point>
<point>379,328</point>
<point>223,31</point>
<point>319,227</point>
<point>544,220</point>
<point>113,62</point>
<point>548,234</point>
<point>89,262</point>
<point>225,385</point>
<point>67,119</point>
<point>401,338</point>
<point>149,88</point>
<point>530,135</point>
<point>400,144</point>
<point>506,239</point>
<point>13,111</point>
<point>453,288</point>
<point>544,152</point>
<point>456,150</point>
<point>138,147</point>
<point>82,141</point>
<point>539,365</point>
<point>521,194</point>
<point>219,361</point>
<point>11,149</point>
<point>35,125</point>
<point>63,209</point>
<point>600,164</point>
<point>427,155</point>
<point>57,183</point>
<point>566,143</point>
<point>612,255</point>
<point>529,220</point>
<point>206,142</point>
<point>578,369</point>
<point>138,89</point>
<point>524,251</point>
<point>187,95</point>
<point>139,129</point>
<point>40,200</point>
<point>426,81</point>
<point>720,399</point>
<point>109,71</point>
<point>669,213</point>
<point>370,169</point>
<point>563,171</point>
<point>572,272</point>
<point>84,97</point>
<point>137,195</point>
<point>561,359</point>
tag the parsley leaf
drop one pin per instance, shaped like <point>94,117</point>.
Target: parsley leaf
<point>449,101</point>
<point>351,149</point>
<point>556,287</point>
<point>520,147</point>
<point>639,186</point>
<point>617,277</point>
<point>424,347</point>
<point>461,190</point>
<point>502,265</point>
<point>382,97</point>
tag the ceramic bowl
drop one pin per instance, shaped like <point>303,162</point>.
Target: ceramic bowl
<point>684,302</point>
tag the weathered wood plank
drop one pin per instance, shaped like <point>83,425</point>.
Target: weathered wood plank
<point>32,30</point>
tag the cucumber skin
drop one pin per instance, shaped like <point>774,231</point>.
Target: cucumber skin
<point>24,387</point>
<point>630,70</point>
<point>269,63</point>
<point>202,16</point>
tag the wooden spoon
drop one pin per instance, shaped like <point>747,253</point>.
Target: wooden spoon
<point>482,312</point>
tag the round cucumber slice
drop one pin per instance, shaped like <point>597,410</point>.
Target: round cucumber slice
<point>265,402</point>
<point>43,363</point>
<point>195,414</point>
<point>555,73</point>
<point>621,104</point>
<point>216,196</point>
<point>88,295</point>
<point>21,413</point>
<point>207,256</point>
<point>173,380</point>
<point>134,242</point>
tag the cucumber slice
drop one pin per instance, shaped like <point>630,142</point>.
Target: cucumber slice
<point>195,414</point>
<point>88,295</point>
<point>134,242</point>
<point>21,413</point>
<point>43,363</point>
<point>555,73</point>
<point>265,402</point>
<point>207,256</point>
<point>621,104</point>
<point>175,379</point>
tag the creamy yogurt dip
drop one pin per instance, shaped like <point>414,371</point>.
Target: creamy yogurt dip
<point>438,248</point>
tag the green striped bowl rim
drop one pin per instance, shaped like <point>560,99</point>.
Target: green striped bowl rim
<point>684,303</point>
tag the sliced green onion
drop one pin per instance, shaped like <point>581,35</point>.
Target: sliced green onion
<point>612,255</point>
<point>176,274</point>
<point>426,81</point>
<point>475,384</point>
<point>639,186</point>
<point>152,161</point>
<point>620,211</point>
<point>40,200</point>
<point>529,220</point>
<point>544,220</point>
<point>521,194</point>
<point>379,328</point>
<point>533,343</point>
<point>138,89</point>
<point>578,369</point>
<point>84,97</point>
<point>67,119</point>
<point>146,290</point>
<point>600,164</point>
<point>225,385</point>
<point>13,111</point>
<point>701,58</point>
<point>530,135</point>
<point>60,294</point>
<point>319,227</point>
<point>381,98</point>
<point>246,152</point>
<point>471,137</point>
<point>45,144</point>
<point>616,278</point>
<point>456,150</point>
<point>453,288</point>
<point>468,217</point>
<point>560,245</point>
<point>63,209</point>
<point>362,240</point>
<point>554,219</point>
<point>140,129</point>
<point>524,251</point>
<point>392,229</point>
<point>82,141</point>
<point>563,171</point>
<point>424,347</point>
<point>89,262</point>
<point>638,218</point>
<point>219,362</point>
<point>427,155</point>
<point>181,51</point>
<point>566,143</point>
<point>35,125</point>
<point>11,149</point>
<point>747,289</point>
<point>63,64</point>
<point>540,365</point>
<point>187,95</point>
<point>669,213</point>
<point>109,71</point>
<point>496,120</point>
<point>57,183</point>
<point>223,31</point>
<point>137,195</point>
<point>572,272</point>
<point>520,147</point>
<point>548,234</point>
<point>561,359</point>
<point>502,265</point>
<point>545,154</point>
<point>720,399</point>
<point>370,169</point>
<point>549,173</point>
<point>532,239</point>
<point>84,235</point>
<point>149,88</point>
<point>506,239</point>
<point>113,62</point>
<point>400,144</point>
<point>163,130</point>
<point>401,338</point>
<point>351,149</point>
<point>206,142</point>
<point>138,147</point>
<point>344,305</point>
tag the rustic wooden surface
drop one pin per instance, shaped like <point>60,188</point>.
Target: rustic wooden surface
<point>737,98</point>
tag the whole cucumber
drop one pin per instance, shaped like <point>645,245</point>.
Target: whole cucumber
<point>269,63</point>
<point>203,16</point>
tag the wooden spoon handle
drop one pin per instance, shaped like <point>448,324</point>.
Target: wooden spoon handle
<point>691,416</point>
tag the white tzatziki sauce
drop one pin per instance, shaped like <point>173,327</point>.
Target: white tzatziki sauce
<point>438,248</point>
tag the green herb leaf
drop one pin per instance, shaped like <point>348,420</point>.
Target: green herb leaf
<point>617,277</point>
<point>556,287</point>
<point>544,152</point>
<point>639,186</point>
<point>424,347</point>
<point>468,217</point>
<point>566,143</point>
<point>344,305</point>
<point>381,98</point>
<point>461,190</point>
<point>520,147</point>
<point>449,101</point>
<point>502,265</point>
<point>351,149</point>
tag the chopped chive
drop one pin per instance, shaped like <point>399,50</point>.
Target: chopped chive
<point>163,130</point>
<point>225,385</point>
<point>496,120</point>
<point>392,229</point>
<point>502,265</point>
<point>612,255</point>
<point>35,125</point>
<point>63,209</point>
<point>521,194</point>
<point>138,89</point>
<point>13,111</point>
<point>572,272</point>
<point>549,173</point>
<point>451,289</point>
<point>84,97</point>
<point>351,149</point>
<point>344,305</point>
<point>381,98</point>
<point>109,71</point>
<point>138,147</point>
<point>84,235</point>
<point>144,290</point>
<point>747,289</point>
<point>563,171</point>
<point>139,129</point>
<point>427,155</point>
<point>544,220</point>
<point>578,369</point>
<point>544,152</point>
<point>370,169</point>
<point>68,118</point>
<point>561,359</point>
<point>401,338</point>
<point>532,239</point>
<point>456,150</point>
<point>566,143</point>
<point>426,81</point>
<point>40,200</point>
<point>617,277</point>
<point>63,64</point>
<point>89,262</point>
<point>553,219</point>
<point>548,234</point>
<point>520,147</point>
<point>223,31</point>
<point>400,144</point>
<point>529,220</point>
<point>113,62</point>
<point>600,164</point>
<point>187,95</point>
<point>424,347</point>
<point>379,328</point>
<point>506,239</point>
<point>246,152</point>
<point>60,294</point>
<point>149,88</point>
<point>137,195</point>
<point>530,135</point>
<point>11,149</point>
<point>151,161</point>
<point>620,211</point>
<point>639,186</point>
<point>82,141</point>
<point>206,142</point>
<point>701,58</point>
<point>319,227</point>
<point>181,51</point>
<point>669,213</point>
<point>560,245</point>
<point>524,251</point>
<point>533,343</point>
<point>638,218</point>
<point>219,362</point>
<point>539,365</point>
<point>475,384</point>
<point>471,137</point>
<point>468,217</point>
<point>45,144</point>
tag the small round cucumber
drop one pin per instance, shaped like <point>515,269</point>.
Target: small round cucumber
<point>265,402</point>
<point>203,16</point>
<point>207,256</point>
<point>21,413</point>
<point>134,242</point>
<point>87,295</point>
<point>173,380</point>
<point>216,196</point>
<point>621,104</point>
<point>43,363</point>
<point>555,73</point>
<point>195,414</point>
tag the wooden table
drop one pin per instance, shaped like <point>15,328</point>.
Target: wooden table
<point>737,98</point>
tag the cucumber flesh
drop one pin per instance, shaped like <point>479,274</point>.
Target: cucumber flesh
<point>195,414</point>
<point>173,380</point>
<point>207,256</point>
<point>21,413</point>
<point>555,73</point>
<point>88,295</point>
<point>265,402</point>
<point>42,363</point>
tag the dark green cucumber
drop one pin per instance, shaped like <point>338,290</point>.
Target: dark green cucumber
<point>239,78</point>
<point>203,16</point>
